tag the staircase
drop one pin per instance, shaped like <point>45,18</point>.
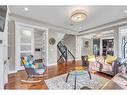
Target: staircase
<point>64,52</point>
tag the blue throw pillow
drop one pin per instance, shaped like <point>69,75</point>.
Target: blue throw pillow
<point>122,61</point>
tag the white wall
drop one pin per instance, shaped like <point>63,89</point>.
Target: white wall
<point>52,49</point>
<point>11,43</point>
<point>70,42</point>
<point>78,47</point>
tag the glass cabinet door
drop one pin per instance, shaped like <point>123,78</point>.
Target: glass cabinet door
<point>26,41</point>
<point>123,42</point>
<point>24,44</point>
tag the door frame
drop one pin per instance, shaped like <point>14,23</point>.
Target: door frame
<point>17,25</point>
<point>120,43</point>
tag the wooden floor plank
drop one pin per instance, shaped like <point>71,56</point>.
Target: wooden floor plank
<point>52,71</point>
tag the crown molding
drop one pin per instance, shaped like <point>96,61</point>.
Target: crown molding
<point>119,22</point>
<point>47,25</point>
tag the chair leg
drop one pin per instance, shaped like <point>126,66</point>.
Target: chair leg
<point>67,77</point>
<point>89,74</point>
<point>27,77</point>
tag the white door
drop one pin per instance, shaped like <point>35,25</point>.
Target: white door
<point>24,44</point>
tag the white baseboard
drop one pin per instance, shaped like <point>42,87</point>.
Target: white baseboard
<point>73,59</point>
<point>52,64</point>
<point>11,72</point>
<point>78,59</point>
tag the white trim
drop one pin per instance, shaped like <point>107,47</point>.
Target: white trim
<point>30,25</point>
<point>120,43</point>
<point>52,64</point>
<point>77,59</point>
<point>103,27</point>
<point>70,59</point>
<point>107,38</point>
<point>47,56</point>
<point>42,24</point>
<point>11,72</point>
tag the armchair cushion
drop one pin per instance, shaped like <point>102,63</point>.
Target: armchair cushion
<point>31,67</point>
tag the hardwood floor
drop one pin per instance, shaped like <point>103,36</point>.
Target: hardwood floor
<point>52,71</point>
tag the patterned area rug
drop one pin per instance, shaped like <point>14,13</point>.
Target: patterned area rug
<point>83,81</point>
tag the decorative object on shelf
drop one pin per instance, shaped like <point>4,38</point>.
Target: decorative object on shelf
<point>86,44</point>
<point>107,47</point>
<point>78,16</point>
<point>52,41</point>
<point>96,46</point>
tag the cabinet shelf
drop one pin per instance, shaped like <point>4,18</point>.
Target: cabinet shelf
<point>107,43</point>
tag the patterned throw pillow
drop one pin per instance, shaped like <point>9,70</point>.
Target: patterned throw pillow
<point>110,59</point>
<point>91,58</point>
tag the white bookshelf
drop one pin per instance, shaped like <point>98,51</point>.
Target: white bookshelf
<point>40,43</point>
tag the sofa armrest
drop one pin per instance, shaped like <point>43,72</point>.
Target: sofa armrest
<point>115,67</point>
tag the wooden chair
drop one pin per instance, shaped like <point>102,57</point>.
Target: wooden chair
<point>33,70</point>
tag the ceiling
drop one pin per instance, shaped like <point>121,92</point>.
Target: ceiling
<point>60,15</point>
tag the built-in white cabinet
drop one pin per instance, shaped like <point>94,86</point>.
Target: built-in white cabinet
<point>29,41</point>
<point>24,44</point>
<point>40,45</point>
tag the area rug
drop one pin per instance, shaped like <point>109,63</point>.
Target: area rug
<point>58,83</point>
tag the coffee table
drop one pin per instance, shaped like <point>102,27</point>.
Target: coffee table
<point>77,71</point>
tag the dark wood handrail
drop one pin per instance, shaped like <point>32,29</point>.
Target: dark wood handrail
<point>64,53</point>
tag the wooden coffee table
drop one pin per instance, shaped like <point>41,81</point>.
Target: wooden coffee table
<point>78,70</point>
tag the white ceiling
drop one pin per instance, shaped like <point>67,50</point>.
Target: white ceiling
<point>60,15</point>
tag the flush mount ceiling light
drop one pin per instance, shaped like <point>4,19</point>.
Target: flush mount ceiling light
<point>26,9</point>
<point>78,16</point>
<point>125,11</point>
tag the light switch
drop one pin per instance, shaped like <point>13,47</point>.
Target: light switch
<point>1,41</point>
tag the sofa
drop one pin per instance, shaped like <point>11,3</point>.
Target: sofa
<point>109,64</point>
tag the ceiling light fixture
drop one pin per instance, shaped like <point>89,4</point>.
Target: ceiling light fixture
<point>78,16</point>
<point>80,27</point>
<point>26,9</point>
<point>125,11</point>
